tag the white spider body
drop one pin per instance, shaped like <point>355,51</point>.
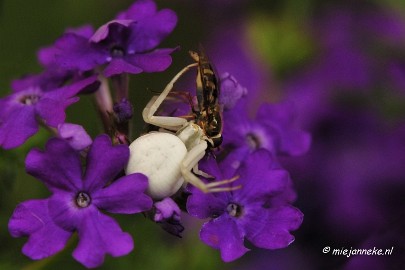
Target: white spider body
<point>158,155</point>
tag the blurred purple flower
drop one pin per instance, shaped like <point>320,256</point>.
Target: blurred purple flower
<point>356,154</point>
<point>273,129</point>
<point>364,161</point>
<point>123,45</point>
<point>35,100</point>
<point>75,135</point>
<point>383,25</point>
<point>396,73</point>
<point>77,202</point>
<point>259,211</point>
<point>231,53</point>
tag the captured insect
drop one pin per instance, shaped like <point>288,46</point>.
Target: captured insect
<point>170,159</point>
<point>208,115</point>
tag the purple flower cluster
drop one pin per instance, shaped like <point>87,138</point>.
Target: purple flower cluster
<point>124,45</point>
<point>256,207</point>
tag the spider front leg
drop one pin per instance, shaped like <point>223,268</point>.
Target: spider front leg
<point>191,160</point>
<point>168,122</point>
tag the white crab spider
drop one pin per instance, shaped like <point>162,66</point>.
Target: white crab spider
<point>166,158</point>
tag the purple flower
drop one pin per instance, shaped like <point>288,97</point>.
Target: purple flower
<point>75,135</point>
<point>259,211</point>
<point>126,44</point>
<point>77,202</point>
<point>33,101</point>
<point>273,129</point>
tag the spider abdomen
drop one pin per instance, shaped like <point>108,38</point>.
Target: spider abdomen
<point>158,156</point>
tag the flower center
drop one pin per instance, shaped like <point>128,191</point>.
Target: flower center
<point>117,51</point>
<point>253,141</point>
<point>30,99</point>
<point>83,199</point>
<point>234,210</point>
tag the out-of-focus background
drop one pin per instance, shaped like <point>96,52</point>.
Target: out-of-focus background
<point>340,63</point>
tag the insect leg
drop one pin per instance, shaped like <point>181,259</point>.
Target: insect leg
<point>172,123</point>
<point>191,160</point>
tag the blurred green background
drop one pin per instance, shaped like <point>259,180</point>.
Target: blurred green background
<point>276,31</point>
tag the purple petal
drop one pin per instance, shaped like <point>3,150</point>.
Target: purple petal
<point>31,219</point>
<point>72,51</point>
<point>205,205</point>
<point>234,159</point>
<point>150,31</point>
<point>295,142</point>
<point>118,66</point>
<point>166,209</point>
<point>84,31</point>
<point>276,232</point>
<point>28,217</point>
<point>52,105</point>
<point>17,125</point>
<point>138,10</point>
<point>237,125</point>
<point>280,117</point>
<point>52,112</point>
<point>75,135</point>
<point>222,233</point>
<point>124,196</point>
<point>258,179</point>
<point>71,90</point>
<point>231,91</point>
<point>47,55</point>
<point>100,235</point>
<point>155,61</point>
<point>5,107</point>
<point>104,162</point>
<point>48,80</point>
<point>58,166</point>
<point>104,30</point>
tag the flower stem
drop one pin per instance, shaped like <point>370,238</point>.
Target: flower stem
<point>122,126</point>
<point>120,85</point>
<point>104,104</point>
